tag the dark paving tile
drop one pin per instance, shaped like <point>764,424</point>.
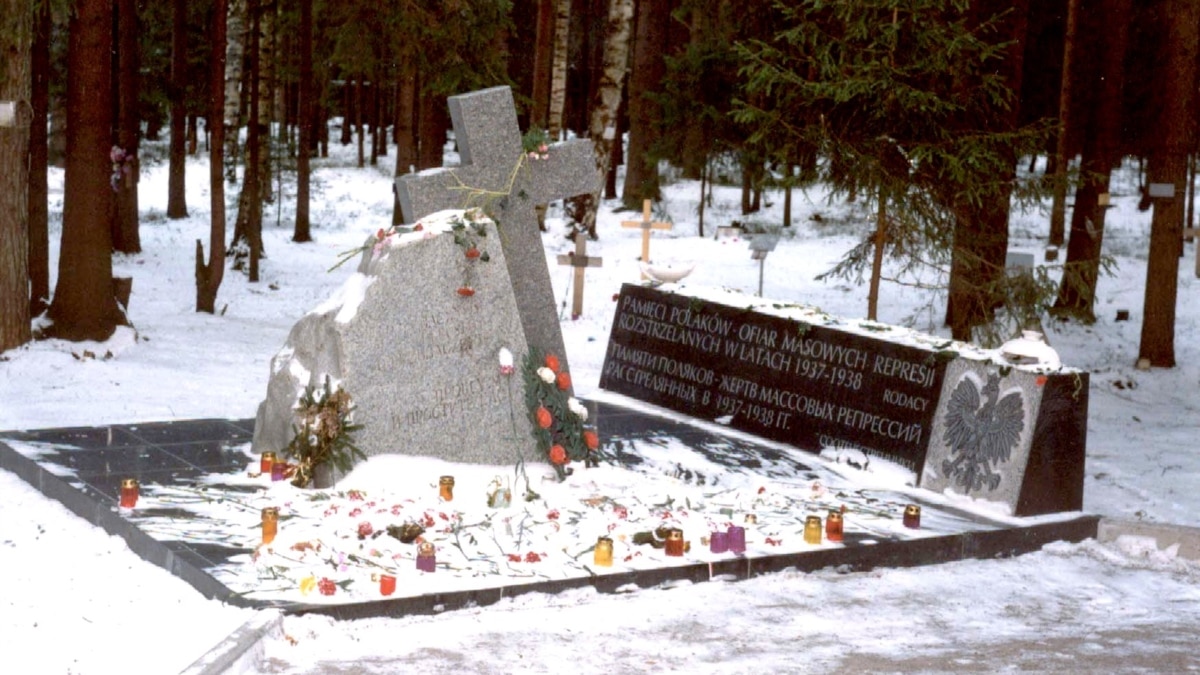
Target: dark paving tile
<point>164,433</point>
<point>79,437</point>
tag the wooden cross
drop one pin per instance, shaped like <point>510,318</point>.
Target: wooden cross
<point>497,176</point>
<point>1194,233</point>
<point>646,225</point>
<point>580,261</point>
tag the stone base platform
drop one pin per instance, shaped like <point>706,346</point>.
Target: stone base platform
<point>83,468</point>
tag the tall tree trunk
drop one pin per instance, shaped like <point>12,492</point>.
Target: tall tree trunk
<point>16,33</point>
<point>266,37</point>
<point>1077,290</point>
<point>347,112</point>
<point>209,275</point>
<point>126,238</point>
<point>645,78</point>
<point>543,59</point>
<point>1061,161</point>
<point>39,159</point>
<point>358,118</point>
<point>302,231</point>
<point>406,138</point>
<point>431,131</point>
<point>235,49</point>
<point>981,226</point>
<point>558,77</point>
<point>84,306</point>
<point>1168,164</point>
<point>177,172</point>
<point>253,186</point>
<point>602,126</point>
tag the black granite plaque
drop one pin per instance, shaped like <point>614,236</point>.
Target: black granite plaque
<point>812,386</point>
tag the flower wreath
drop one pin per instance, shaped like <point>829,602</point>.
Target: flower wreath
<point>558,419</point>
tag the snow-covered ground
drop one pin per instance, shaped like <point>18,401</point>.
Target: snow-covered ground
<point>78,601</point>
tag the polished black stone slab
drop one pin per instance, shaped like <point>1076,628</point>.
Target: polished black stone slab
<point>82,468</point>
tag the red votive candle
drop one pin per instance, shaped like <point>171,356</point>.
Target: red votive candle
<point>675,542</point>
<point>129,493</point>
<point>387,584</point>
<point>833,526</point>
<point>912,516</point>
<point>266,463</point>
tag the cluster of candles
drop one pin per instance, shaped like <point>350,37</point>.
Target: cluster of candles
<point>269,465</point>
<point>730,540</point>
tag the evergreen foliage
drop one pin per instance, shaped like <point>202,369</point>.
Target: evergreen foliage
<point>900,99</point>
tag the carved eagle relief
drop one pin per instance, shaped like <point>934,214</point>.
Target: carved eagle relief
<point>982,428</point>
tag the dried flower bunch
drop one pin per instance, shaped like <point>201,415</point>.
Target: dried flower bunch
<point>325,433</point>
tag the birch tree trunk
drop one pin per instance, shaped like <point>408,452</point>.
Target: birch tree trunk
<point>234,53</point>
<point>602,122</point>
<point>558,71</point>
<point>266,96</point>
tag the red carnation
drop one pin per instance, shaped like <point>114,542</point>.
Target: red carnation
<point>591,439</point>
<point>544,418</point>
<point>564,381</point>
<point>558,454</point>
<point>552,362</point>
<point>326,586</point>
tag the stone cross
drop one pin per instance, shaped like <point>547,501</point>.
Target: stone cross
<point>646,224</point>
<point>580,261</point>
<point>497,176</point>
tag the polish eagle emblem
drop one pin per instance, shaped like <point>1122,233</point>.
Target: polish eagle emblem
<point>982,428</point>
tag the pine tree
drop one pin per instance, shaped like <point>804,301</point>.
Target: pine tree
<point>908,103</point>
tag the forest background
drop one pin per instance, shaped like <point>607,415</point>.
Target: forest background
<point>924,110</point>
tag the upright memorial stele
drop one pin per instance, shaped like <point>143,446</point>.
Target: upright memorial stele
<point>962,419</point>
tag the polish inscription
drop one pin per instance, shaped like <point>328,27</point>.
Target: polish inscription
<point>811,386</point>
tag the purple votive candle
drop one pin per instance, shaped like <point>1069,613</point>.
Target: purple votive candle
<point>718,542</point>
<point>737,539</point>
<point>426,557</point>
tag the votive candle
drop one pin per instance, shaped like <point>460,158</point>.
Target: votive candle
<point>129,493</point>
<point>675,544</point>
<point>833,526</point>
<point>912,516</point>
<point>270,524</point>
<point>812,530</point>
<point>426,557</point>
<point>266,463</point>
<point>737,539</point>
<point>718,542</point>
<point>603,555</point>
<point>446,488</point>
<point>387,584</point>
<point>278,470</point>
